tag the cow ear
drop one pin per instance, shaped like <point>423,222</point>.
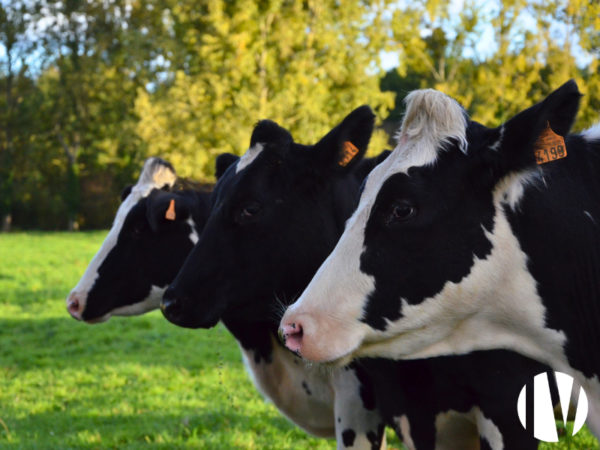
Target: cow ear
<point>542,127</point>
<point>345,145</point>
<point>125,192</point>
<point>163,208</point>
<point>223,162</point>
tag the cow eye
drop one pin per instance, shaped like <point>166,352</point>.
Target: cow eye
<point>248,212</point>
<point>400,211</point>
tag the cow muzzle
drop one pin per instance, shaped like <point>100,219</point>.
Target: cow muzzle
<point>76,304</point>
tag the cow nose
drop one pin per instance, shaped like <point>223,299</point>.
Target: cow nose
<point>171,305</point>
<point>75,305</point>
<point>291,336</point>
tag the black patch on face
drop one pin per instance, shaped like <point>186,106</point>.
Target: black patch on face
<point>375,437</point>
<point>348,437</point>
<point>145,255</point>
<point>306,389</point>
<point>413,258</point>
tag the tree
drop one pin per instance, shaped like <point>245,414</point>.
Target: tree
<point>303,64</point>
<point>531,49</point>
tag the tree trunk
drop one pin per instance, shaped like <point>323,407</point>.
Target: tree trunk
<point>6,222</point>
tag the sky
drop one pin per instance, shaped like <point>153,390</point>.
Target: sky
<point>485,46</point>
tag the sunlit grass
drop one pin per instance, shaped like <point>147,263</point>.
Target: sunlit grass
<point>129,383</point>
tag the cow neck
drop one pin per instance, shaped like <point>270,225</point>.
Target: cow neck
<point>255,336</point>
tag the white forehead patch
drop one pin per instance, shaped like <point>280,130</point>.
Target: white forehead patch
<point>432,119</point>
<point>592,133</point>
<point>154,176</point>
<point>248,157</point>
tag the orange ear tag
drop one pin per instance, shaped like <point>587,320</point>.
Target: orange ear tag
<point>170,214</point>
<point>349,151</point>
<point>549,146</point>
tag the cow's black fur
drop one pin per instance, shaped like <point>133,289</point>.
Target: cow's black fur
<point>271,226</point>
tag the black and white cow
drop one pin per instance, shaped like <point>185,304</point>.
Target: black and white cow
<point>462,241</point>
<point>156,226</point>
<point>275,215</point>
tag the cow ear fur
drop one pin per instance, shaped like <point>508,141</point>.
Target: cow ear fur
<point>517,138</point>
<point>158,172</point>
<point>223,162</point>
<point>125,192</point>
<point>163,208</point>
<point>345,145</point>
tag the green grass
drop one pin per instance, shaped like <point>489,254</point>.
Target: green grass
<point>129,383</point>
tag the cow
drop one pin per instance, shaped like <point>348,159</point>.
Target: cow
<point>468,238</point>
<point>276,212</point>
<point>275,215</point>
<point>156,226</point>
<point>125,279</point>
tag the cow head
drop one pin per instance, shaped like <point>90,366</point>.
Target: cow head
<point>428,253</point>
<point>276,213</point>
<point>152,233</point>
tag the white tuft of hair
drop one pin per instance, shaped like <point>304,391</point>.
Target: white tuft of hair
<point>592,133</point>
<point>433,117</point>
<point>157,173</point>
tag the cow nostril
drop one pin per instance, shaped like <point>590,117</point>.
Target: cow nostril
<point>74,307</point>
<point>170,306</point>
<point>291,336</point>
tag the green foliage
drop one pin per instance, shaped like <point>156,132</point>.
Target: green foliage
<point>531,51</point>
<point>302,64</point>
<point>88,90</point>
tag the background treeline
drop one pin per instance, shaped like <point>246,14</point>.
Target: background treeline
<point>88,89</point>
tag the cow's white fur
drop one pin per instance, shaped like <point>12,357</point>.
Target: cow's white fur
<point>154,176</point>
<point>281,382</point>
<point>248,157</point>
<point>592,133</point>
<point>589,216</point>
<point>334,394</point>
<point>488,430</point>
<point>496,145</point>
<point>403,425</point>
<point>193,233</point>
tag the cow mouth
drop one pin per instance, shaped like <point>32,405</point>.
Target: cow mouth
<point>96,320</point>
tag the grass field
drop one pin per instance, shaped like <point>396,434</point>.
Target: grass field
<point>128,383</point>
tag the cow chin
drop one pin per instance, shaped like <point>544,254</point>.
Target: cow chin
<point>191,319</point>
<point>96,320</point>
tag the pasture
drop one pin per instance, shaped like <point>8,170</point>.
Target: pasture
<point>129,383</point>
